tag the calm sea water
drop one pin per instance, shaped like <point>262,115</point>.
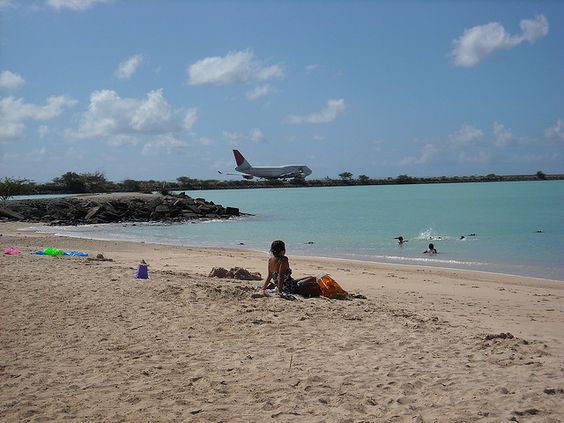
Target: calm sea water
<point>518,226</point>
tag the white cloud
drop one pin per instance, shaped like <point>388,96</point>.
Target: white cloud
<point>479,157</point>
<point>43,131</point>
<point>33,156</point>
<point>326,115</point>
<point>427,153</point>
<point>73,155</point>
<point>256,135</point>
<point>556,131</point>
<point>166,144</point>
<point>478,42</point>
<point>5,4</point>
<point>128,67</point>
<point>259,92</point>
<point>466,135</point>
<point>502,134</point>
<point>108,115</point>
<point>235,67</point>
<point>534,29</point>
<point>204,141</point>
<point>14,112</point>
<point>37,155</point>
<point>121,139</point>
<point>311,68</point>
<point>190,118</point>
<point>10,80</point>
<point>77,5</point>
<point>232,137</point>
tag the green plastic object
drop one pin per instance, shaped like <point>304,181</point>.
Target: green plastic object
<point>53,252</point>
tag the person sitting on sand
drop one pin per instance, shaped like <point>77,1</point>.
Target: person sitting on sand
<point>279,273</point>
<point>401,241</point>
<point>430,250</point>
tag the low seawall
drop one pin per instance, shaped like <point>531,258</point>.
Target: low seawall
<point>113,208</point>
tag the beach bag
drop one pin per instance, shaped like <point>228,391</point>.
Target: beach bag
<point>331,289</point>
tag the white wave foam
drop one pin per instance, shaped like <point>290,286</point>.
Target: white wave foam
<point>431,260</point>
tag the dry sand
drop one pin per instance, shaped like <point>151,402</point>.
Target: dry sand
<point>85,341</point>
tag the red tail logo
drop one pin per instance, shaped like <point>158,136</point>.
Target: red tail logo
<point>238,157</point>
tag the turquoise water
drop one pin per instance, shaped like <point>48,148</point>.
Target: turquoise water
<point>360,222</point>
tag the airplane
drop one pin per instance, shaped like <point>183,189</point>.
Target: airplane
<point>267,172</point>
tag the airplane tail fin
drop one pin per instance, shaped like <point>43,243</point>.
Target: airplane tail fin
<point>242,163</point>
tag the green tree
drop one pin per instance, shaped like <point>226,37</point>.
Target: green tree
<point>94,182</point>
<point>183,180</point>
<point>10,187</point>
<point>71,182</point>
<point>404,179</point>
<point>298,180</point>
<point>541,175</point>
<point>131,185</point>
<point>345,176</point>
<point>363,179</point>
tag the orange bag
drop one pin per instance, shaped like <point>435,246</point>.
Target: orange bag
<point>331,289</point>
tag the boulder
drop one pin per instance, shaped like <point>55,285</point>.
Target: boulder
<point>235,273</point>
<point>162,208</point>
<point>77,210</point>
<point>218,272</point>
<point>244,274</point>
<point>92,212</point>
<point>232,211</point>
<point>11,214</point>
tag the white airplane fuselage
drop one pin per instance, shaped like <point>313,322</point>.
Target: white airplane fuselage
<point>288,171</point>
<point>269,172</point>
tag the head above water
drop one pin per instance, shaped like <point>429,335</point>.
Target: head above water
<point>277,247</point>
<point>431,247</point>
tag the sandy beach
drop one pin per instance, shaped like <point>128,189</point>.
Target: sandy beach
<point>83,340</point>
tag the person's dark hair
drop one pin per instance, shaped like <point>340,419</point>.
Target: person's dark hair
<point>277,247</point>
<point>431,247</point>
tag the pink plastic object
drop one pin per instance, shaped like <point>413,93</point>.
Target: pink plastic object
<point>11,251</point>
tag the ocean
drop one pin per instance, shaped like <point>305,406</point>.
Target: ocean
<point>508,227</point>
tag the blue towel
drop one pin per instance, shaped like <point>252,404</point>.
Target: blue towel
<point>76,254</point>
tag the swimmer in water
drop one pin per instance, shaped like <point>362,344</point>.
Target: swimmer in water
<point>430,250</point>
<point>401,241</point>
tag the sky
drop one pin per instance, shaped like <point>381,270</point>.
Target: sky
<point>162,89</point>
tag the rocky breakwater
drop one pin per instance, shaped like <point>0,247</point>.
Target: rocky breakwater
<point>112,208</point>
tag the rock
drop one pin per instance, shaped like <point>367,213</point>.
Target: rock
<point>244,274</point>
<point>232,211</point>
<point>78,210</point>
<point>162,208</point>
<point>9,213</point>
<point>99,257</point>
<point>189,215</point>
<point>218,272</point>
<point>235,273</point>
<point>502,335</point>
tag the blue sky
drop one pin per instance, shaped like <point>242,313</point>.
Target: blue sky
<point>162,89</point>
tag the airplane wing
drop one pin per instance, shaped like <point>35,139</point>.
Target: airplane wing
<point>291,174</point>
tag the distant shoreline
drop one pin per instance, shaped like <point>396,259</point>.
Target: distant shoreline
<point>213,184</point>
<point>405,180</point>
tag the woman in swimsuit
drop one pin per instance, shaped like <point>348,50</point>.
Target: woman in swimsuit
<point>279,272</point>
